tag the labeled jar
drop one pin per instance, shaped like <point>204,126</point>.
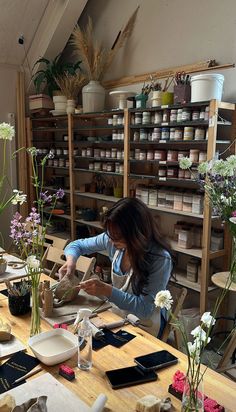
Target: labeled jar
<point>178,134</point>
<point>165,133</point>
<point>179,115</point>
<point>195,115</point>
<point>172,133</point>
<point>108,153</point>
<point>186,115</point>
<point>152,200</point>
<point>97,166</point>
<point>199,133</point>
<point>137,154</point>
<point>160,155</point>
<point>91,166</point>
<point>202,113</point>
<point>115,119</point>
<point>65,152</point>
<point>156,134</point>
<point>146,118</point>
<point>50,162</point>
<point>202,157</point>
<point>194,155</point>
<point>173,115</point>
<point>110,167</point>
<point>120,120</point>
<point>142,155</point>
<point>114,152</point>
<point>182,154</point>
<point>150,155</point>
<point>84,152</point>
<point>136,136</point>
<point>185,238</point>
<point>138,118</point>
<point>58,152</point>
<point>96,153</point>
<point>61,162</point>
<point>166,116</point>
<point>55,162</point>
<point>67,163</point>
<point>187,174</point>
<point>172,155</point>
<point>117,167</point>
<point>158,117</point>
<point>110,121</point>
<point>89,152</point>
<point>121,168</point>
<point>207,111</point>
<point>119,154</point>
<point>162,172</point>
<point>172,172</point>
<point>104,167</point>
<point>114,135</point>
<point>188,133</point>
<point>120,135</point>
<point>143,134</point>
<point>102,153</point>
<point>180,174</point>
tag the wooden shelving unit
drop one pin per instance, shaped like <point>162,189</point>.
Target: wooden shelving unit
<point>92,131</point>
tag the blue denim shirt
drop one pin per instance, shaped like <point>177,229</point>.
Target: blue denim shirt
<point>159,271</point>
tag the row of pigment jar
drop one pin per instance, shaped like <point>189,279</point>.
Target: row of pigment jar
<point>61,162</point>
<point>106,167</point>
<point>116,120</point>
<point>117,135</point>
<point>112,153</point>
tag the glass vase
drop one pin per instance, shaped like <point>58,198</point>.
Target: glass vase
<point>193,395</point>
<point>35,326</point>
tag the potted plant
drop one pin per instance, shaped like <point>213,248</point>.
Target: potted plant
<point>45,79</point>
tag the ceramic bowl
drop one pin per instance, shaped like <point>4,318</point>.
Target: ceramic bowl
<point>54,346</point>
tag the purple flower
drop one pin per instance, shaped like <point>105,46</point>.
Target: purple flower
<point>45,197</point>
<point>60,194</point>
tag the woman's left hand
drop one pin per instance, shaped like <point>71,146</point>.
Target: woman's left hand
<point>96,287</point>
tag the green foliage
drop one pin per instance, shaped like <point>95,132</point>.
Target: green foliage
<point>44,79</point>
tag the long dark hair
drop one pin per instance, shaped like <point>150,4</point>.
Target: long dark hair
<point>135,223</point>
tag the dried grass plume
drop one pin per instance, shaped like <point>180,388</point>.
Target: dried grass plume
<point>96,58</point>
<point>70,85</point>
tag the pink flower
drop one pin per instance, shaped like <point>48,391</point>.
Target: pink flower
<point>233,213</point>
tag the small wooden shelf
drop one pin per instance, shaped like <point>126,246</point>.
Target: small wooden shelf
<point>102,159</point>
<point>182,280</point>
<point>196,252</point>
<point>91,223</point>
<point>77,169</point>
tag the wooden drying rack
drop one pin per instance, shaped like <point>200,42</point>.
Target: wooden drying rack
<point>164,73</point>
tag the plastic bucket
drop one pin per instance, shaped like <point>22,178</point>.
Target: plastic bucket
<point>206,87</point>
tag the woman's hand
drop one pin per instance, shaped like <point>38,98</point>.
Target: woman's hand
<point>68,268</point>
<point>96,287</point>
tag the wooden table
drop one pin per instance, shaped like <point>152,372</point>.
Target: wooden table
<point>12,272</point>
<point>221,279</point>
<point>88,384</point>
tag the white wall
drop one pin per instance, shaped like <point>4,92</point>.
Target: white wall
<point>8,76</point>
<point>168,33</point>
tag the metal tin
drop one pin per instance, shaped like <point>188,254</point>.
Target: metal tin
<point>186,115</point>
<point>173,115</point>
<point>188,133</point>
<point>178,134</point>
<point>199,133</point>
<point>165,133</point>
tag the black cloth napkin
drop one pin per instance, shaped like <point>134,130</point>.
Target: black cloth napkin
<point>15,367</point>
<point>117,339</point>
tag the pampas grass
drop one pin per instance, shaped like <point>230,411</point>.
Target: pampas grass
<point>96,58</point>
<point>70,85</point>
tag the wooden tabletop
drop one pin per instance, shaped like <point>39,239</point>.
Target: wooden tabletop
<point>88,384</point>
<point>221,279</point>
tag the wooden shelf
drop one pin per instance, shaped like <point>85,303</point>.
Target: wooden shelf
<point>78,169</point>
<point>92,223</point>
<point>97,196</point>
<point>176,212</point>
<point>182,280</point>
<point>195,252</point>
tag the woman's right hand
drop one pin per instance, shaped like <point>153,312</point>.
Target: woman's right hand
<point>68,268</point>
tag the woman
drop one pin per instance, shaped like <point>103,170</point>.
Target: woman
<point>141,261</point>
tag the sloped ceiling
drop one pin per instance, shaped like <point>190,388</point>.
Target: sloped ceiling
<point>45,24</point>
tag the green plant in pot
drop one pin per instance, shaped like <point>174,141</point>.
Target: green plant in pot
<point>45,78</point>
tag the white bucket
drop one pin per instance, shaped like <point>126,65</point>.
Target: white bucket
<point>206,87</point>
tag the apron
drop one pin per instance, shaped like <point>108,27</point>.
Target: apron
<point>151,325</point>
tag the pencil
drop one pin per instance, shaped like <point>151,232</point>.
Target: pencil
<point>31,373</point>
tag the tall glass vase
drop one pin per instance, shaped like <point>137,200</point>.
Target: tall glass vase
<point>193,395</point>
<point>35,326</point>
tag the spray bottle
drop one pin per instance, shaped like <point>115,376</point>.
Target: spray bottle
<point>85,340</point>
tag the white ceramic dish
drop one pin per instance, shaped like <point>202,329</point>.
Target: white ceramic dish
<point>57,112</point>
<point>54,346</point>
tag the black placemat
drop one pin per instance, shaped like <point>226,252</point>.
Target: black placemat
<point>117,339</point>
<point>16,367</point>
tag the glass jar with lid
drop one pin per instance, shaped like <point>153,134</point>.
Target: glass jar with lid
<point>143,134</point>
<point>138,118</point>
